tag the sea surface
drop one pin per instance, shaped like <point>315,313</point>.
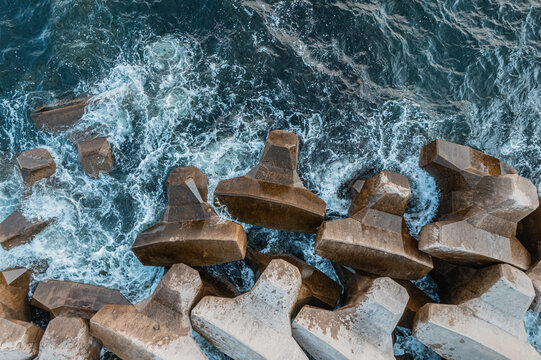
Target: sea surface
<point>364,84</point>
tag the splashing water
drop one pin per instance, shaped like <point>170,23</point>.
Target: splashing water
<point>363,85</point>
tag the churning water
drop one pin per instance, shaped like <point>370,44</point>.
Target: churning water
<point>364,84</point>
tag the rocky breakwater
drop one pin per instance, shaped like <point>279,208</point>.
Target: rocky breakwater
<point>471,251</point>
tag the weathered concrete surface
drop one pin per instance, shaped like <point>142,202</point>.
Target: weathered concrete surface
<point>17,230</point>
<point>485,320</point>
<point>19,340</point>
<point>450,278</point>
<point>356,284</point>
<point>360,330</point>
<point>535,276</point>
<point>456,169</point>
<point>34,165</point>
<point>375,238</point>
<point>59,117</point>
<point>158,327</point>
<point>65,298</point>
<point>317,288</point>
<point>14,286</point>
<point>529,233</point>
<point>95,156</point>
<point>191,232</point>
<point>485,234</point>
<point>255,325</point>
<point>68,339</point>
<point>272,194</point>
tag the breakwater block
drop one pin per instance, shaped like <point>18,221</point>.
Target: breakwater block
<point>68,339</point>
<point>19,339</point>
<point>95,156</point>
<point>482,202</point>
<point>34,165</point>
<point>158,327</point>
<point>317,288</point>
<point>14,287</point>
<point>356,283</point>
<point>374,238</point>
<point>66,298</point>
<point>191,232</point>
<point>255,325</point>
<point>59,117</point>
<point>272,194</point>
<point>484,319</point>
<point>360,330</point>
<point>17,229</point>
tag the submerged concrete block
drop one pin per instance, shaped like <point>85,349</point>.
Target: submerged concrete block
<point>485,319</point>
<point>356,284</point>
<point>18,230</point>
<point>255,325</point>
<point>158,327</point>
<point>360,330</point>
<point>95,156</point>
<point>34,165</point>
<point>68,339</point>
<point>65,298</point>
<point>61,116</point>
<point>14,286</point>
<point>317,288</point>
<point>191,232</point>
<point>272,194</point>
<point>19,340</point>
<point>375,238</point>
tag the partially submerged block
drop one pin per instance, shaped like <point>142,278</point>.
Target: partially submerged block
<point>485,234</point>
<point>14,286</point>
<point>34,165</point>
<point>18,230</point>
<point>65,298</point>
<point>535,276</point>
<point>19,340</point>
<point>356,284</point>
<point>255,325</point>
<point>375,238</point>
<point>360,330</point>
<point>529,233</point>
<point>95,156</point>
<point>158,327</point>
<point>317,288</point>
<point>68,339</point>
<point>61,116</point>
<point>485,320</point>
<point>272,194</point>
<point>191,232</point>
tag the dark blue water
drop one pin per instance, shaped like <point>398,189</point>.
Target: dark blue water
<point>364,84</point>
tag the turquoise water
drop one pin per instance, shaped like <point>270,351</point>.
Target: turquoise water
<point>364,84</point>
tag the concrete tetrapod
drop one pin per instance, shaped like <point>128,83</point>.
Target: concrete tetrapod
<point>61,116</point>
<point>255,325</point>
<point>68,339</point>
<point>529,233</point>
<point>191,232</point>
<point>18,230</point>
<point>482,201</point>
<point>535,275</point>
<point>19,340</point>
<point>65,298</point>
<point>484,322</point>
<point>317,288</point>
<point>157,328</point>
<point>14,286</point>
<point>356,283</point>
<point>359,331</point>
<point>34,165</point>
<point>272,194</point>
<point>375,238</point>
<point>95,156</point>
